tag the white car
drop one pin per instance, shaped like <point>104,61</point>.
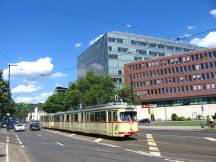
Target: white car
<point>19,127</point>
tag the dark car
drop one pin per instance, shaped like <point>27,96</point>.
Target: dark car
<point>34,126</point>
<point>145,121</point>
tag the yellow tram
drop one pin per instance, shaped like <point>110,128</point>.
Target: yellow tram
<point>116,119</point>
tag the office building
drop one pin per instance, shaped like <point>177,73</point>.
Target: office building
<point>108,55</point>
<point>184,79</point>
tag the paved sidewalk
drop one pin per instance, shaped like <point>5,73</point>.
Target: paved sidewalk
<point>180,128</point>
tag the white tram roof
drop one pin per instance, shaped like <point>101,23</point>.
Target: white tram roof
<point>108,106</point>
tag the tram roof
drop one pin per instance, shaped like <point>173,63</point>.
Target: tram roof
<point>108,106</point>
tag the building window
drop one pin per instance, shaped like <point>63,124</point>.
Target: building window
<point>113,56</point>
<point>121,49</point>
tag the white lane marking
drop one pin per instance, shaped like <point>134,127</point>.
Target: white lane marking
<point>59,143</point>
<point>139,152</point>
<point>155,153</point>
<point>73,136</point>
<point>153,148</point>
<point>7,152</point>
<point>98,140</point>
<point>210,139</point>
<point>106,144</point>
<point>25,156</point>
<point>16,136</point>
<point>149,136</point>
<point>152,143</point>
<point>20,142</point>
<point>7,139</point>
<point>151,140</point>
<point>39,135</point>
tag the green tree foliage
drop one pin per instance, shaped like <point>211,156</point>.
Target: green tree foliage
<point>90,90</point>
<point>22,109</point>
<point>127,95</point>
<point>55,103</point>
<point>4,97</point>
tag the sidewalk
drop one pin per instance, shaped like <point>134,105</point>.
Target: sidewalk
<point>178,128</point>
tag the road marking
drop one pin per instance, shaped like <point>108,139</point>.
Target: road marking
<point>155,153</point>
<point>20,142</point>
<point>152,143</point>
<point>7,139</point>
<point>139,152</point>
<point>106,144</point>
<point>153,148</point>
<point>39,135</point>
<point>7,152</point>
<point>149,136</point>
<point>98,140</point>
<point>59,143</point>
<point>210,139</point>
<point>25,156</point>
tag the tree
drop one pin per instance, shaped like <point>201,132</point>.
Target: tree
<point>55,103</point>
<point>4,102</point>
<point>127,95</point>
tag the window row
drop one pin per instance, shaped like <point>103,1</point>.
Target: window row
<point>174,70</point>
<point>173,90</point>
<point>173,61</point>
<point>178,79</point>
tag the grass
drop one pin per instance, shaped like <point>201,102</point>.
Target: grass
<point>179,123</point>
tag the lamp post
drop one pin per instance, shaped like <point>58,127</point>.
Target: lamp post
<point>9,85</point>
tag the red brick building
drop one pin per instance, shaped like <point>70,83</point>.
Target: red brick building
<point>188,78</point>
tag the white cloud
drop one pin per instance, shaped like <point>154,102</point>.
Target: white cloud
<point>57,75</point>
<point>25,88</point>
<point>208,41</point>
<point>30,69</point>
<point>36,99</point>
<point>213,12</point>
<point>94,40</point>
<point>77,45</point>
<point>190,27</point>
<point>128,25</point>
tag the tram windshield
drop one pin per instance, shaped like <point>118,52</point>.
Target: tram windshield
<point>128,116</point>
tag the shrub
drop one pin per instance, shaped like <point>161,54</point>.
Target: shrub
<point>174,117</point>
<point>214,117</point>
<point>199,117</point>
<point>188,118</point>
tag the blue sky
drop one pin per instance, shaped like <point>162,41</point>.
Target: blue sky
<point>54,33</point>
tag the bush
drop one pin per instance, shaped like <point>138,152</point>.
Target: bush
<point>174,117</point>
<point>199,117</point>
<point>214,117</point>
<point>180,118</point>
<point>189,119</point>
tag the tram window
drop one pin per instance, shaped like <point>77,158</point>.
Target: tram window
<point>76,117</point>
<point>114,116</point>
<point>127,116</point>
<point>97,116</point>
<point>82,119</point>
<point>57,118</point>
<point>103,116</point>
<point>67,118</point>
<point>92,115</point>
<point>86,117</point>
<point>109,116</point>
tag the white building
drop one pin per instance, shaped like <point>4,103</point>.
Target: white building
<point>35,115</point>
<point>165,113</point>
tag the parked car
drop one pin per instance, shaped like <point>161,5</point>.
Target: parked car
<point>19,127</point>
<point>34,126</point>
<point>144,121</point>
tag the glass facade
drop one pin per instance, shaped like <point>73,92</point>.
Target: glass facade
<point>108,55</point>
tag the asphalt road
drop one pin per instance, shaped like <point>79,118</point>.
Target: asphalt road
<point>150,145</point>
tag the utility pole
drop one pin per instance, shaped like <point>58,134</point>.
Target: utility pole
<point>132,93</point>
<point>9,65</point>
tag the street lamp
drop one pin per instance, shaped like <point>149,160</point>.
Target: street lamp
<point>9,65</point>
